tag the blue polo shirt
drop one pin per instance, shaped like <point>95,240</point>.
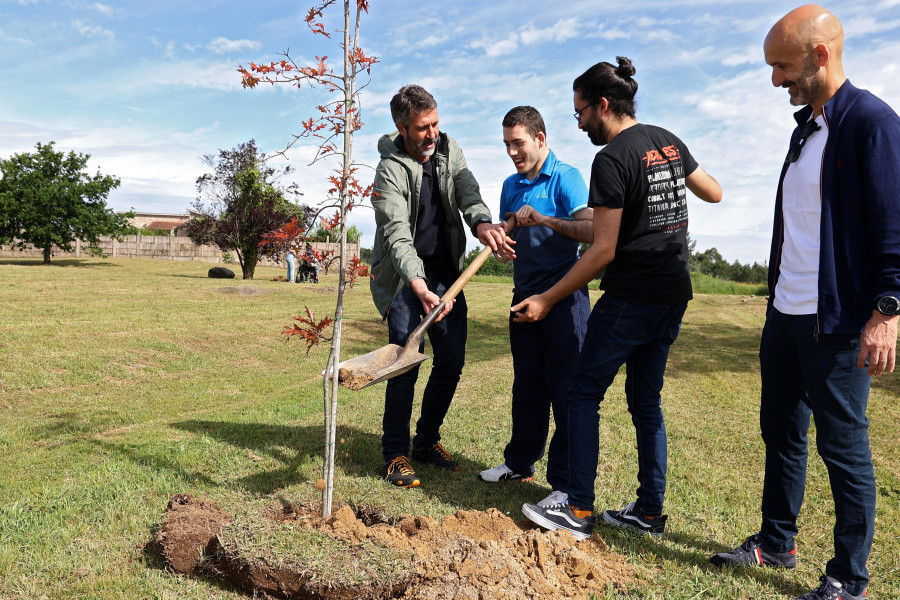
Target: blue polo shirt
<point>543,256</point>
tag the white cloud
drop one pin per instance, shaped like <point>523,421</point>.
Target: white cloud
<point>197,74</point>
<point>103,9</point>
<point>867,25</point>
<point>433,40</point>
<point>222,45</point>
<point>748,56</point>
<point>501,48</point>
<point>610,34</point>
<point>92,31</point>
<point>561,31</point>
<point>15,40</point>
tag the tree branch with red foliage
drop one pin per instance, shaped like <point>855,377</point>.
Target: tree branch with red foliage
<point>312,331</point>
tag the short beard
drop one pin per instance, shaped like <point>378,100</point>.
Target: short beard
<point>422,151</point>
<point>809,85</point>
<point>598,137</point>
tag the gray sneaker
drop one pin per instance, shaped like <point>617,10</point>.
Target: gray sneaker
<point>556,497</point>
<point>831,589</point>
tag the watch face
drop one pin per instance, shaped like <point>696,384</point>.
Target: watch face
<point>888,305</point>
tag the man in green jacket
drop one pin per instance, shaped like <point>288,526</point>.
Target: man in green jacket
<point>423,191</point>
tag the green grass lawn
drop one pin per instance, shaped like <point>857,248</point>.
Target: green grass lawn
<point>123,382</point>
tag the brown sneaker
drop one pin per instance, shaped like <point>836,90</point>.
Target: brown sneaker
<point>399,472</point>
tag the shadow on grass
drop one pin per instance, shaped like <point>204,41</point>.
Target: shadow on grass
<point>358,456</point>
<point>84,263</point>
<point>155,462</point>
<point>695,551</point>
<point>711,348</point>
<point>61,427</point>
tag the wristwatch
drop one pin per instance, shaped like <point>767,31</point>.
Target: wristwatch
<point>477,223</point>
<point>888,306</point>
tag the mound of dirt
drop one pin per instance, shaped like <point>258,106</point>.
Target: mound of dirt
<point>188,533</point>
<point>470,555</point>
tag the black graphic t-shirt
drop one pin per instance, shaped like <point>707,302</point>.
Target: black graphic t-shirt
<point>642,172</point>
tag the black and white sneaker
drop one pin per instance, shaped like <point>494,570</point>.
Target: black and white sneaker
<point>503,473</point>
<point>559,516</point>
<point>752,553</point>
<point>629,518</point>
<point>831,589</point>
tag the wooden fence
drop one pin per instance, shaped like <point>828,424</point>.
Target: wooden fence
<point>161,247</point>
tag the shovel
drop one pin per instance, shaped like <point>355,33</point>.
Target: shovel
<point>392,360</point>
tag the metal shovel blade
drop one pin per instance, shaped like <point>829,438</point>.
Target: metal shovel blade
<point>392,360</point>
<point>378,365</point>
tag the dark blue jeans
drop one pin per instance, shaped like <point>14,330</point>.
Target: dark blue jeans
<point>448,346</point>
<point>802,375</point>
<point>545,355</point>
<point>640,337</point>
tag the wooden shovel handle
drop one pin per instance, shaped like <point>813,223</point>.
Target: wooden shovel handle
<point>412,343</point>
<point>454,290</point>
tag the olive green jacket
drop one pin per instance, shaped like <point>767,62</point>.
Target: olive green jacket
<point>398,179</point>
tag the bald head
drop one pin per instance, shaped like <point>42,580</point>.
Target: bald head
<point>804,49</point>
<point>806,27</point>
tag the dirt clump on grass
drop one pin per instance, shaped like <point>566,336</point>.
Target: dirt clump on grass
<point>188,533</point>
<point>470,555</point>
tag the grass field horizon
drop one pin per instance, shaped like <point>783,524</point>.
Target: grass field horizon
<point>125,381</point>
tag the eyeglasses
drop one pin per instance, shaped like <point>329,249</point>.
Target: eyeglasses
<point>809,128</point>
<point>578,112</point>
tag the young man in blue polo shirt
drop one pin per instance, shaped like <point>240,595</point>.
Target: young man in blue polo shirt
<point>550,201</point>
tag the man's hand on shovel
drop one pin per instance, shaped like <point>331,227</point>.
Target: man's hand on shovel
<point>495,236</point>
<point>429,299</point>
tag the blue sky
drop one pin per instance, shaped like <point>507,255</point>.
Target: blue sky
<point>147,88</point>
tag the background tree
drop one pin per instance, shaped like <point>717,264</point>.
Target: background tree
<point>492,266</point>
<point>710,262</point>
<point>240,202</point>
<point>322,233</point>
<point>47,199</point>
<point>334,128</point>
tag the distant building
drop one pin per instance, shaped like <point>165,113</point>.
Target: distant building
<point>165,221</point>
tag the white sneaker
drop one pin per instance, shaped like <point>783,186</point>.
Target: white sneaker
<point>555,498</point>
<point>503,473</point>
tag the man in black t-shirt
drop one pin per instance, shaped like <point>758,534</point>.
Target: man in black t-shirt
<point>637,191</point>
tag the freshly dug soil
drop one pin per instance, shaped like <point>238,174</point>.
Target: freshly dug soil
<point>354,380</point>
<point>188,533</point>
<point>470,555</point>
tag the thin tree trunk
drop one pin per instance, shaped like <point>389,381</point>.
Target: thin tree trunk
<point>331,400</point>
<point>47,255</point>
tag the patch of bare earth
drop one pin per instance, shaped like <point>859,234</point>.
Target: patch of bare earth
<point>243,290</point>
<point>470,555</point>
